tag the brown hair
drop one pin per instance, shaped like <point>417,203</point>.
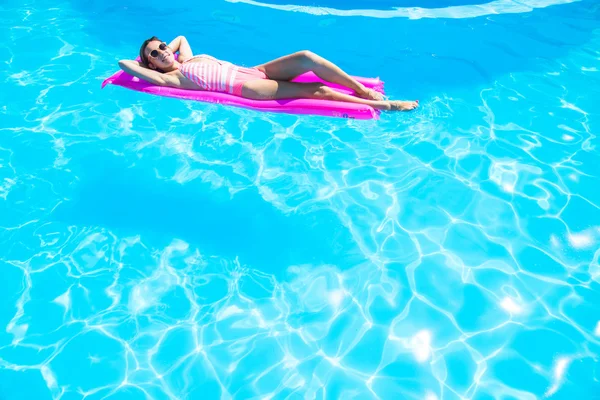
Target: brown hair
<point>142,55</point>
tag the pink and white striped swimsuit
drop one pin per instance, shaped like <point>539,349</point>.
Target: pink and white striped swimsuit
<point>219,76</point>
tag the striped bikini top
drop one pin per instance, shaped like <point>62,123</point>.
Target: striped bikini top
<point>213,75</point>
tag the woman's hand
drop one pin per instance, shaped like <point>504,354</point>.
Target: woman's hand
<point>181,44</point>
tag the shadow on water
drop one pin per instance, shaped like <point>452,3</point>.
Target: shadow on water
<point>423,57</point>
<point>131,201</point>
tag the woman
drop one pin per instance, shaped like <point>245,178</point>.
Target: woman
<point>264,82</point>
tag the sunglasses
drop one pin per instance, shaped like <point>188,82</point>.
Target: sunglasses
<point>154,53</point>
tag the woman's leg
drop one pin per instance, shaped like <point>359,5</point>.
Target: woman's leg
<point>288,67</point>
<point>267,89</point>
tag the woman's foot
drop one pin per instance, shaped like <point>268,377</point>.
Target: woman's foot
<point>370,94</point>
<point>398,105</point>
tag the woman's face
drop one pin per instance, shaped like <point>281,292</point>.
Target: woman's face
<point>159,54</point>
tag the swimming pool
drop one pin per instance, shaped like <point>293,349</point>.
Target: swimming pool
<point>157,248</point>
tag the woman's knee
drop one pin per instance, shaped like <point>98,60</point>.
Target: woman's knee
<point>323,92</point>
<point>307,57</point>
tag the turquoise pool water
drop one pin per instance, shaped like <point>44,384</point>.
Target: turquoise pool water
<point>165,249</point>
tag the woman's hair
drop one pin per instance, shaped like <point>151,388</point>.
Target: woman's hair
<point>142,55</point>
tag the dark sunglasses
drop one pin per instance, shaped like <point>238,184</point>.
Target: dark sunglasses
<point>154,53</point>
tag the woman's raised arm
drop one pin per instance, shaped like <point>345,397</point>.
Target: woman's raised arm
<point>157,78</point>
<point>181,44</point>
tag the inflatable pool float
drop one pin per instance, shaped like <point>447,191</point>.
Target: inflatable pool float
<point>291,106</point>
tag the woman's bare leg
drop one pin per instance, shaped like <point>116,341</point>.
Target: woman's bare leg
<point>288,67</point>
<point>267,89</point>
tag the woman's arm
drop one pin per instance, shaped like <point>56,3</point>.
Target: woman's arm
<point>181,44</point>
<point>157,78</point>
